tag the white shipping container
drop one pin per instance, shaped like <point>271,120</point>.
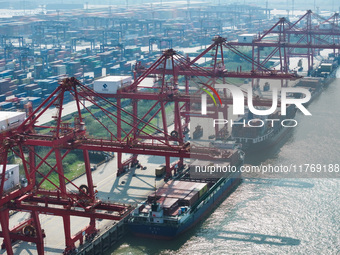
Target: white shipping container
<point>246,38</point>
<point>10,120</point>
<point>11,176</point>
<point>110,84</point>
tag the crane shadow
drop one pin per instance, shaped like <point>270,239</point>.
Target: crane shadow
<point>31,249</point>
<point>257,238</point>
<point>157,247</point>
<point>131,187</point>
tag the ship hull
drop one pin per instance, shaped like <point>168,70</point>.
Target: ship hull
<point>168,232</point>
<point>268,143</point>
<point>249,146</point>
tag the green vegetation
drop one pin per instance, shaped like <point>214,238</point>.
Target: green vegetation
<point>73,165</point>
<point>96,129</point>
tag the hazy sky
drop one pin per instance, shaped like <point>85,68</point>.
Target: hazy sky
<point>332,5</point>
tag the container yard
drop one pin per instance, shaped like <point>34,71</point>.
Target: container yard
<point>126,122</point>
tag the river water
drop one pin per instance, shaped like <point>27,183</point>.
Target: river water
<point>273,216</point>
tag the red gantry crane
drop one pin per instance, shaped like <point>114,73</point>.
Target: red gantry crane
<point>310,32</point>
<point>135,134</point>
<point>60,138</point>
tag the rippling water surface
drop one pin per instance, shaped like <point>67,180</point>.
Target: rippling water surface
<point>274,216</point>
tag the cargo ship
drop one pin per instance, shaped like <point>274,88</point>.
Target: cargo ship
<point>261,134</point>
<point>320,78</point>
<point>259,138</point>
<point>314,85</point>
<point>180,203</point>
<point>327,70</point>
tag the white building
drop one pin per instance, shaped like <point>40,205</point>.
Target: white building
<point>11,176</point>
